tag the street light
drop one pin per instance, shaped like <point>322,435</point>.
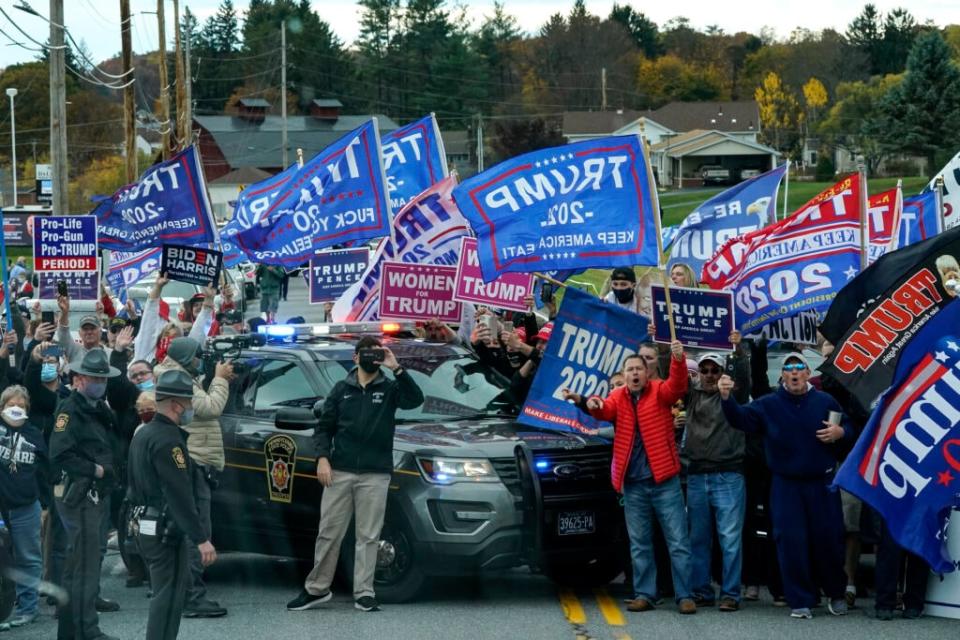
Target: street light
<point>11,92</point>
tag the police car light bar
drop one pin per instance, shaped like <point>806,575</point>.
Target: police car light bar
<point>293,331</point>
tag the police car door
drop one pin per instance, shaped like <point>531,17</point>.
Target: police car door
<point>271,470</point>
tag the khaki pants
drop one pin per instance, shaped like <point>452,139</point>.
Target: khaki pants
<point>364,496</point>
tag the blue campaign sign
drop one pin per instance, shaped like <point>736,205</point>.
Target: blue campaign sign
<point>333,272</point>
<point>588,344</point>
<point>339,195</point>
<point>81,285</point>
<point>740,209</point>
<point>65,243</point>
<point>586,204</point>
<point>168,204</point>
<point>129,267</point>
<point>920,219</point>
<point>413,159</point>
<point>701,317</point>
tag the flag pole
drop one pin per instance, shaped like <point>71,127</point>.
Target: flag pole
<point>938,189</point>
<point>864,229</point>
<point>655,199</point>
<point>4,275</point>
<point>786,194</point>
<point>299,157</point>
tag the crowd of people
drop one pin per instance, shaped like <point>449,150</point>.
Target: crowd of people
<point>119,430</point>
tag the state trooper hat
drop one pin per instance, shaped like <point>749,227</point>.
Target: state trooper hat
<point>174,383</point>
<point>95,364</point>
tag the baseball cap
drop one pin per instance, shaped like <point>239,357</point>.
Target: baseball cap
<point>794,356</point>
<point>623,273</point>
<point>545,331</point>
<point>713,357</point>
<point>91,319</point>
<point>692,366</point>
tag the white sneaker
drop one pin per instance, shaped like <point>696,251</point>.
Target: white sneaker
<point>803,613</point>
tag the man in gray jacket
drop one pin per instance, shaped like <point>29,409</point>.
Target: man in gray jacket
<point>716,494</point>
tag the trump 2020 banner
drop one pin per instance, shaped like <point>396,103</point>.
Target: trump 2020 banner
<point>129,267</point>
<point>588,344</point>
<point>338,196</point>
<point>426,231</point>
<point>795,265</point>
<point>168,204</point>
<point>743,208</point>
<point>251,205</point>
<point>906,463</point>
<point>884,211</point>
<point>701,317</point>
<point>587,204</point>
<point>920,219</point>
<point>413,159</point>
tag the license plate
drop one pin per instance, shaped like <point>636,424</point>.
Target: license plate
<point>575,523</point>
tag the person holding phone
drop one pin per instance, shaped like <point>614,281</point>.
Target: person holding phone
<point>354,445</point>
<point>800,441</point>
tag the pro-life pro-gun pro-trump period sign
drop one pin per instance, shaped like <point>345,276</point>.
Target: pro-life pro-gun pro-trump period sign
<point>65,243</point>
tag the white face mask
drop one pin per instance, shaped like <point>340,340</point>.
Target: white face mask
<point>15,416</point>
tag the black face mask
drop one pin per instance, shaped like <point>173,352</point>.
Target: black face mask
<point>623,295</point>
<point>369,367</point>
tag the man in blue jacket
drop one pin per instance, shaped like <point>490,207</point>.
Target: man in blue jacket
<point>800,442</point>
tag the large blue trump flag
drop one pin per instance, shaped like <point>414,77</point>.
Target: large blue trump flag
<point>906,464</point>
<point>587,204</point>
<point>338,196</point>
<point>252,203</point>
<point>168,204</point>
<point>740,209</point>
<point>413,159</point>
<point>588,344</point>
<point>920,219</point>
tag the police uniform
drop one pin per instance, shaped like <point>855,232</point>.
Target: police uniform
<point>166,518</point>
<point>78,444</point>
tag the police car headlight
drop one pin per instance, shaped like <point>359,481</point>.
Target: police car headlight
<point>447,470</point>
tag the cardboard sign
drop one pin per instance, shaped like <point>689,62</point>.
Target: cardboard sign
<point>81,285</point>
<point>333,272</point>
<point>193,265</point>
<point>505,292</point>
<point>702,318</point>
<point>418,292</point>
<point>65,243</point>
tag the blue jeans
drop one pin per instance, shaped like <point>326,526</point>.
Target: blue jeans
<point>27,556</point>
<point>716,498</point>
<point>641,502</point>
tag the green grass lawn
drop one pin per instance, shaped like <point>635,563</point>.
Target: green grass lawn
<point>676,205</point>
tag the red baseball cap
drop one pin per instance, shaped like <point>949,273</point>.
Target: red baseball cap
<point>545,331</point>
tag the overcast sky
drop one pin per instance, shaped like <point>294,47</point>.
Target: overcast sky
<point>97,24</point>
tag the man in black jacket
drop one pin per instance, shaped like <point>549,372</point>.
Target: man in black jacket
<point>161,486</point>
<point>354,444</point>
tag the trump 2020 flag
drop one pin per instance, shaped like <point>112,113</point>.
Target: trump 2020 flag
<point>795,265</point>
<point>168,204</point>
<point>426,231</point>
<point>251,204</point>
<point>743,208</point>
<point>920,219</point>
<point>413,159</point>
<point>906,464</point>
<point>587,204</point>
<point>884,212</point>
<point>339,195</point>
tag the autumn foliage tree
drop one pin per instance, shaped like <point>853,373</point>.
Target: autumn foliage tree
<point>780,113</point>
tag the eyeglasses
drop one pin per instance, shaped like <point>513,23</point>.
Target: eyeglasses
<point>796,366</point>
<point>709,371</point>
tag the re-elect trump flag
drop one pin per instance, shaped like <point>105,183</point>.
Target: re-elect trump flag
<point>587,204</point>
<point>743,208</point>
<point>588,344</point>
<point>921,218</point>
<point>795,265</point>
<point>168,204</point>
<point>426,231</point>
<point>876,314</point>
<point>339,195</point>
<point>413,159</point>
<point>906,463</point>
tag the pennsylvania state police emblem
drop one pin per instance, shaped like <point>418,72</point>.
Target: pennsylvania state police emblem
<point>178,458</point>
<point>61,423</point>
<point>280,453</point>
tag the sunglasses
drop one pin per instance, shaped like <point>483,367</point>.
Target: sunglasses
<point>797,366</point>
<point>709,371</point>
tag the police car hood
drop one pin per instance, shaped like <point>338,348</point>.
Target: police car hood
<point>487,438</point>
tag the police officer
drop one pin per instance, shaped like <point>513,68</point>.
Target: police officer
<point>80,447</point>
<point>162,490</point>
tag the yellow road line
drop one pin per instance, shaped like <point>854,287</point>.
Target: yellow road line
<point>609,608</point>
<point>572,608</point>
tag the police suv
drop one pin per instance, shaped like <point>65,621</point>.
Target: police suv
<point>472,489</point>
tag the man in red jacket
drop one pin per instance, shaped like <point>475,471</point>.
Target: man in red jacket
<point>645,470</point>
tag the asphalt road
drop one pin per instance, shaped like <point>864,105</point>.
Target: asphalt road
<point>296,304</point>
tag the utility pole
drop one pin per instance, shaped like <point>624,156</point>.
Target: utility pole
<point>188,91</point>
<point>603,89</point>
<point>283,91</point>
<point>183,127</point>
<point>479,142</point>
<point>129,106</point>
<point>164,85</point>
<point>58,109</point>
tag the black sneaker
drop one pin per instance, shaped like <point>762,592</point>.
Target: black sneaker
<point>307,600</point>
<point>106,606</point>
<point>204,609</point>
<point>367,603</point>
